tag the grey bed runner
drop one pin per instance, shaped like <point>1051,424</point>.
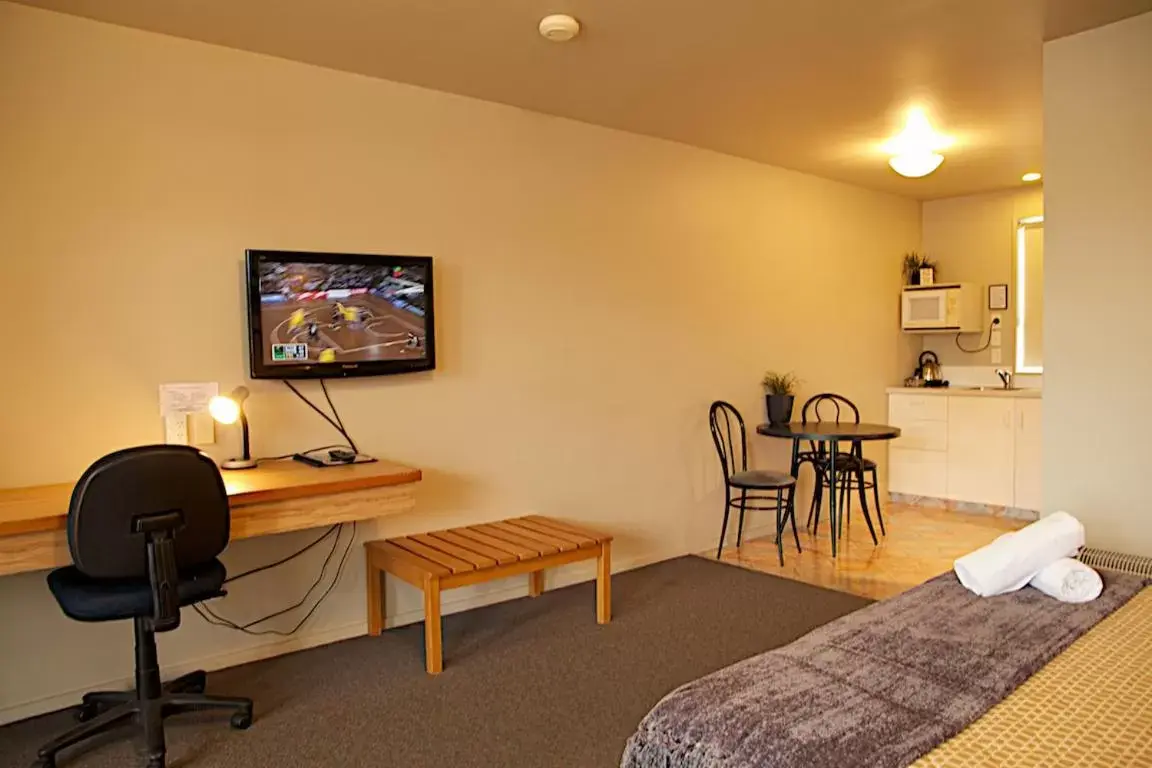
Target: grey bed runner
<point>879,687</point>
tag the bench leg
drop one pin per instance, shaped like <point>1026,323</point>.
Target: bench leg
<point>604,584</point>
<point>433,653</point>
<point>536,583</point>
<point>375,599</point>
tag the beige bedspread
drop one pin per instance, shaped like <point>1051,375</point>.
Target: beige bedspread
<point>1089,707</point>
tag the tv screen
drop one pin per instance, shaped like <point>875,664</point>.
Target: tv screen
<point>320,315</point>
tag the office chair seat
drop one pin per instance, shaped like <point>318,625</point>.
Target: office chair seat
<point>86,599</point>
<point>761,479</point>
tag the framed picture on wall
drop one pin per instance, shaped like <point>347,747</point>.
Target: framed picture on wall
<point>998,296</point>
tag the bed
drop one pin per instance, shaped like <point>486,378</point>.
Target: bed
<point>933,678</point>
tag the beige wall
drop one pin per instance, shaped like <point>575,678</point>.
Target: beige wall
<point>596,290</point>
<point>973,240</point>
<point>1098,272</point>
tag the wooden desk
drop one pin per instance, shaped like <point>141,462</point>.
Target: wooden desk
<point>275,497</point>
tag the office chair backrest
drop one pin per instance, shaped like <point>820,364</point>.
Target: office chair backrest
<point>733,455</point>
<point>127,494</point>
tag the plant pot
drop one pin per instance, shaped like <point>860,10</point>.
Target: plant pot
<point>927,275</point>
<point>779,408</point>
<point>914,277</point>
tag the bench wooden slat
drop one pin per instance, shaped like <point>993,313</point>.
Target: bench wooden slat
<point>475,558</point>
<point>564,545</point>
<point>537,547</point>
<point>453,564</point>
<point>563,526</point>
<point>459,537</point>
<point>580,540</point>
<point>403,563</point>
<point>522,552</point>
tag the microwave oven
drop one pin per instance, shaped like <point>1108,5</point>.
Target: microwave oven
<point>945,308</point>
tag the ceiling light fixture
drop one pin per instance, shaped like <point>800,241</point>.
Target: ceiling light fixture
<point>916,151</point>
<point>1033,176</point>
<point>559,27</point>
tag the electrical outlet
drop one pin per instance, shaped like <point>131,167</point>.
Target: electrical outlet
<point>176,429</point>
<point>997,356</point>
<point>996,338</point>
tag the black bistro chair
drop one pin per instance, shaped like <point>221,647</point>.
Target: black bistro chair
<point>854,473</point>
<point>725,421</point>
<point>144,528</point>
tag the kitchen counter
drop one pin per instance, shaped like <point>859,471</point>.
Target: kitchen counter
<point>966,392</point>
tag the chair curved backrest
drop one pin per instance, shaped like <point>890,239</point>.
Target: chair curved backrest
<point>112,501</point>
<point>830,401</point>
<point>723,417</point>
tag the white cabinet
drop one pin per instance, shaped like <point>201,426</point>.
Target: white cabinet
<point>917,460</point>
<point>918,473</point>
<point>981,449</point>
<point>1027,455</point>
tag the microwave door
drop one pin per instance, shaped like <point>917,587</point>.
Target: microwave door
<point>924,309</point>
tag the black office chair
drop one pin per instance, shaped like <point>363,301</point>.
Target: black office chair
<point>144,528</point>
<point>737,476</point>
<point>852,469</point>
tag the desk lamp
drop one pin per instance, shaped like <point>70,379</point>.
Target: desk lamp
<point>226,409</point>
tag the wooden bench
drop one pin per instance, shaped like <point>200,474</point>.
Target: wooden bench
<point>458,557</point>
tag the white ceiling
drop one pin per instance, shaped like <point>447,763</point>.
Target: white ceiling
<point>813,85</point>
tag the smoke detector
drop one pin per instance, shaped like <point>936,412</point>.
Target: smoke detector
<point>559,27</point>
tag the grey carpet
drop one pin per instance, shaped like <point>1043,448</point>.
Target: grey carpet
<point>532,683</point>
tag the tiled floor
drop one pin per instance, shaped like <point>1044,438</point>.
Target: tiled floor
<point>921,543</point>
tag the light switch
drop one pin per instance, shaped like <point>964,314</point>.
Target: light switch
<point>996,339</point>
<point>202,429</point>
<point>997,356</point>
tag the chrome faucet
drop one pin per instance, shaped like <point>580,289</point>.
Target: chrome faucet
<point>1005,377</point>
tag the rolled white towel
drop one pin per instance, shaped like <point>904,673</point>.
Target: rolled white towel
<point>1069,581</point>
<point>1010,562</point>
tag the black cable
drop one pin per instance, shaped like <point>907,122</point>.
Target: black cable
<point>339,427</point>
<point>281,561</point>
<point>319,580</point>
<point>312,405</point>
<point>978,349</point>
<point>213,618</point>
<point>336,413</point>
<point>224,622</point>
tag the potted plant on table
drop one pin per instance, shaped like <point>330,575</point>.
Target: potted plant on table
<point>918,269</point>
<point>780,395</point>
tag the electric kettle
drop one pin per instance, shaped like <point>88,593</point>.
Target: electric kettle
<point>929,369</point>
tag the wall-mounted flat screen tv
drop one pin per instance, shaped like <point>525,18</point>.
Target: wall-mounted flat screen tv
<point>328,315</point>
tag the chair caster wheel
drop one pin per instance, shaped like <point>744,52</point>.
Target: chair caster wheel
<point>86,712</point>
<point>242,721</point>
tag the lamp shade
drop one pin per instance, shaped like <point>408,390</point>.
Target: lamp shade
<point>224,409</point>
<point>917,164</point>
